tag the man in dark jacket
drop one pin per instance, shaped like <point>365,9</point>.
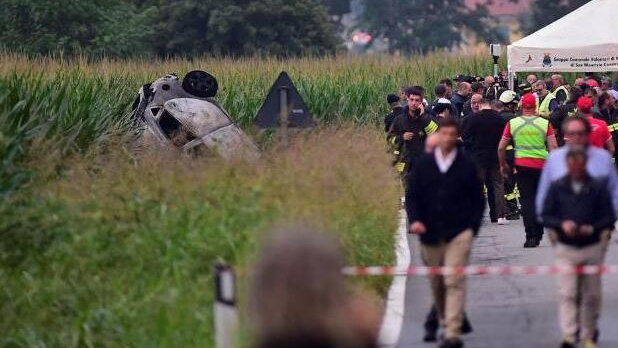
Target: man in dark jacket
<point>484,131</point>
<point>568,109</point>
<point>439,109</point>
<point>410,130</point>
<point>475,105</point>
<point>492,89</point>
<point>580,213</point>
<point>506,107</point>
<point>448,83</point>
<point>445,204</point>
<point>440,92</point>
<point>468,108</point>
<point>459,99</point>
<point>394,102</point>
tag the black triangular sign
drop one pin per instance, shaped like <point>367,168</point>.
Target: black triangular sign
<point>270,112</point>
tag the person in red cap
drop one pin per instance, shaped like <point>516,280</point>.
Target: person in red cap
<point>533,138</point>
<point>600,135</point>
<point>591,82</point>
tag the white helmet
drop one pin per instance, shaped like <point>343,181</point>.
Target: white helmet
<point>508,97</point>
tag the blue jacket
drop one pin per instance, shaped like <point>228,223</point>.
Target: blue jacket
<point>458,101</point>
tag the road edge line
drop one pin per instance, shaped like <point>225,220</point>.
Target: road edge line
<point>392,321</point>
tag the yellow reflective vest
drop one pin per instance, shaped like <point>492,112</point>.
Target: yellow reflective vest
<point>529,135</point>
<point>566,92</point>
<point>542,108</point>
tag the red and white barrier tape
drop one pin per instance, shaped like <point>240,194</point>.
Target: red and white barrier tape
<point>480,270</point>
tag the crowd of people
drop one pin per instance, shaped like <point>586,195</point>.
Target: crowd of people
<point>544,152</point>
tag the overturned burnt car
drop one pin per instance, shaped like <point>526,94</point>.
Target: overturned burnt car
<point>185,115</point>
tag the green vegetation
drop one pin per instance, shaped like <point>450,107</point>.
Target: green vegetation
<point>77,104</point>
<point>99,247</point>
<point>422,26</point>
<point>117,251</point>
<point>139,28</point>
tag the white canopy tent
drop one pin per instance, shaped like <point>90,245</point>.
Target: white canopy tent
<point>585,40</point>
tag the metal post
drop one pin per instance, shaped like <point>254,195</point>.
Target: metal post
<point>225,314</point>
<point>283,109</point>
<point>496,51</point>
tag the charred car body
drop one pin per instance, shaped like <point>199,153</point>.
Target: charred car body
<point>185,115</point>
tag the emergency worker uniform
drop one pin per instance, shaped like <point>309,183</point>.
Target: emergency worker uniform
<point>558,116</point>
<point>407,151</point>
<point>529,134</point>
<point>562,94</point>
<point>546,105</point>
<point>388,120</point>
<point>511,193</point>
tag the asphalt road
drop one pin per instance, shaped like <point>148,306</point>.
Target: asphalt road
<point>510,311</point>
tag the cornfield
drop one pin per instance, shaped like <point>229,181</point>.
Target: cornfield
<point>100,248</point>
<point>75,104</point>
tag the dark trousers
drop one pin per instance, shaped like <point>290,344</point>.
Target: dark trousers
<point>512,206</point>
<point>491,177</point>
<point>528,182</point>
<point>432,322</point>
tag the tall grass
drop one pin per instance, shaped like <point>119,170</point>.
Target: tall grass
<point>117,251</point>
<point>67,113</point>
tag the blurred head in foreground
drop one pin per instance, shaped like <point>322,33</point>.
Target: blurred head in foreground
<point>299,296</point>
<point>576,163</point>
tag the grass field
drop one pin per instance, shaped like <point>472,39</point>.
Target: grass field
<point>100,248</point>
<point>117,251</point>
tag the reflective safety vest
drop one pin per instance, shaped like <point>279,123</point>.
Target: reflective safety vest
<point>513,195</point>
<point>542,109</point>
<point>566,91</point>
<point>529,135</point>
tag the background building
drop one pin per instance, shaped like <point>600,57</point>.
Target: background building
<point>509,16</point>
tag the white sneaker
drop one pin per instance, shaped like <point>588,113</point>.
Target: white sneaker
<point>503,221</point>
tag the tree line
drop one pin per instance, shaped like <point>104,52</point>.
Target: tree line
<point>137,28</point>
<point>129,28</point>
<point>426,25</point>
